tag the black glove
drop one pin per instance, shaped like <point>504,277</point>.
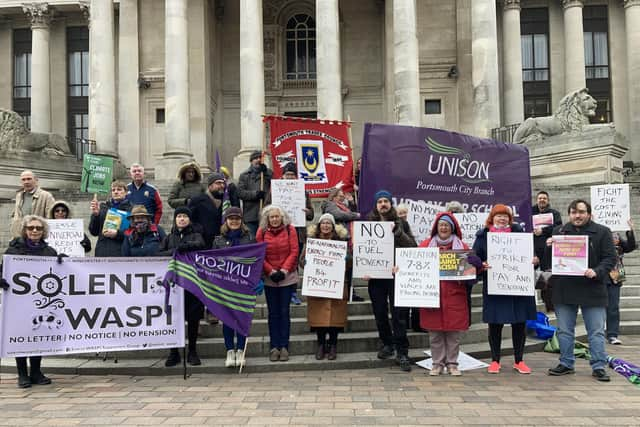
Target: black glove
<point>277,276</point>
<point>261,194</point>
<point>60,256</point>
<point>262,168</point>
<point>4,284</point>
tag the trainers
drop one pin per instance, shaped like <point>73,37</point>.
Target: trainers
<point>601,375</point>
<point>561,370</point>
<point>385,352</point>
<point>231,359</point>
<point>435,371</point>
<point>274,355</point>
<point>173,359</point>
<point>454,371</point>
<point>294,299</point>
<point>240,358</point>
<point>404,362</point>
<point>522,367</point>
<point>494,368</point>
<point>193,359</point>
<point>614,341</point>
<point>284,354</point>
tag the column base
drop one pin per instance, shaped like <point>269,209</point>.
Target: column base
<point>241,161</point>
<point>167,167</point>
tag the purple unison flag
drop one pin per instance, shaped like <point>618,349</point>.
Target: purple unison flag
<point>223,279</point>
<point>437,166</point>
<point>218,162</point>
<point>627,369</point>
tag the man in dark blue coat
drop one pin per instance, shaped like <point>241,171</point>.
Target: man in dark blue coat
<point>588,292</point>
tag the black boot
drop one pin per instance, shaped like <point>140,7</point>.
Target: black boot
<point>23,376</point>
<point>173,359</point>
<point>37,377</point>
<point>193,359</point>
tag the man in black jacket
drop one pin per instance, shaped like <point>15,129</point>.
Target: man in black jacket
<point>588,292</point>
<point>542,233</point>
<point>254,186</point>
<point>381,291</point>
<point>206,209</point>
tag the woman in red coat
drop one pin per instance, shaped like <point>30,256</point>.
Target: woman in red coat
<point>446,323</point>
<point>280,270</point>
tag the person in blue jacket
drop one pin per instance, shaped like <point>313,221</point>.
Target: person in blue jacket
<point>143,237</point>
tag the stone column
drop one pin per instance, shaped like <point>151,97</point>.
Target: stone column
<point>484,49</point>
<point>128,73</point>
<point>512,63</point>
<point>328,66</point>
<point>176,86</point>
<point>251,83</point>
<point>40,15</point>
<point>102,82</point>
<point>632,25</point>
<point>574,75</point>
<point>405,63</point>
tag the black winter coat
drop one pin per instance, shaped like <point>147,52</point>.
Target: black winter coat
<point>222,241</point>
<point>581,290</point>
<point>209,216</point>
<point>106,246</point>
<point>540,242</point>
<point>19,247</point>
<point>145,245</point>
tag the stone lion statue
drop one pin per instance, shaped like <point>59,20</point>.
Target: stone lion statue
<point>572,114</point>
<point>15,137</point>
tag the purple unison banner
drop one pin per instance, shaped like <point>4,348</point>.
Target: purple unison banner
<point>437,166</point>
<point>223,279</point>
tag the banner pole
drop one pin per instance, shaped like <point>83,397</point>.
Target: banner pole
<point>184,362</point>
<point>354,163</point>
<point>244,353</point>
<point>264,127</point>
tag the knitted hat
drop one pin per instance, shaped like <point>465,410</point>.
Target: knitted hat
<point>182,210</point>
<point>213,177</point>
<point>499,209</point>
<point>255,155</point>
<point>139,210</point>
<point>448,220</point>
<point>290,167</point>
<point>232,211</point>
<point>327,217</point>
<point>383,194</point>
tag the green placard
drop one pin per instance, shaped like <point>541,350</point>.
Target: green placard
<point>97,174</point>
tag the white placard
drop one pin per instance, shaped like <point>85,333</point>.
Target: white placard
<point>417,282</point>
<point>465,362</point>
<point>470,223</point>
<point>420,217</point>
<point>324,268</point>
<point>610,206</point>
<point>373,249</point>
<point>65,236</point>
<point>542,220</point>
<point>87,305</point>
<point>289,195</point>
<point>510,257</point>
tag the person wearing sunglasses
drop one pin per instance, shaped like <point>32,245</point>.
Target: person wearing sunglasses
<point>31,242</point>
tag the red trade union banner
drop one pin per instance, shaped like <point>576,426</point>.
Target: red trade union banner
<point>320,149</point>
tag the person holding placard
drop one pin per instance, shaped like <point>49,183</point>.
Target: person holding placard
<point>281,276</point>
<point>110,232</point>
<point>381,291</point>
<point>34,231</point>
<point>587,292</point>
<point>61,210</point>
<point>446,323</point>
<point>497,310</point>
<point>327,316</point>
<point>544,220</point>
<point>254,186</point>
<point>617,277</point>
<point>234,232</point>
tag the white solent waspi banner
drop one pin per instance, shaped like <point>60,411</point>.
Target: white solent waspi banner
<point>87,305</point>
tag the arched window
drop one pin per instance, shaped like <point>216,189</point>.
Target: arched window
<point>301,48</point>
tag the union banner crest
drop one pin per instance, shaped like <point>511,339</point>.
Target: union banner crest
<point>320,149</point>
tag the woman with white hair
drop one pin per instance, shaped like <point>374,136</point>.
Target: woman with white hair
<point>281,276</point>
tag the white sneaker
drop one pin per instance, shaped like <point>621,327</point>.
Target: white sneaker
<point>231,359</point>
<point>615,341</point>
<point>239,358</point>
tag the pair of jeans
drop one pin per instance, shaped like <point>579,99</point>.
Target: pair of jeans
<point>594,320</point>
<point>613,311</point>
<point>253,227</point>
<point>381,294</point>
<point>279,319</point>
<point>229,335</point>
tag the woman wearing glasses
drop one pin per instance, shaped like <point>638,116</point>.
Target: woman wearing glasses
<point>31,242</point>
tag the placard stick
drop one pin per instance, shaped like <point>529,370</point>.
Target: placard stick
<point>244,355</point>
<point>354,164</point>
<point>264,127</point>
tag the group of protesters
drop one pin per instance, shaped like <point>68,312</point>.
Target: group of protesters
<point>208,215</point>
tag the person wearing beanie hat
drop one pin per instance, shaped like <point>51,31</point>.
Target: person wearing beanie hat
<point>328,316</point>
<point>290,167</point>
<point>214,177</point>
<point>254,186</point>
<point>234,233</point>
<point>500,309</point>
<point>381,291</point>
<point>186,236</point>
